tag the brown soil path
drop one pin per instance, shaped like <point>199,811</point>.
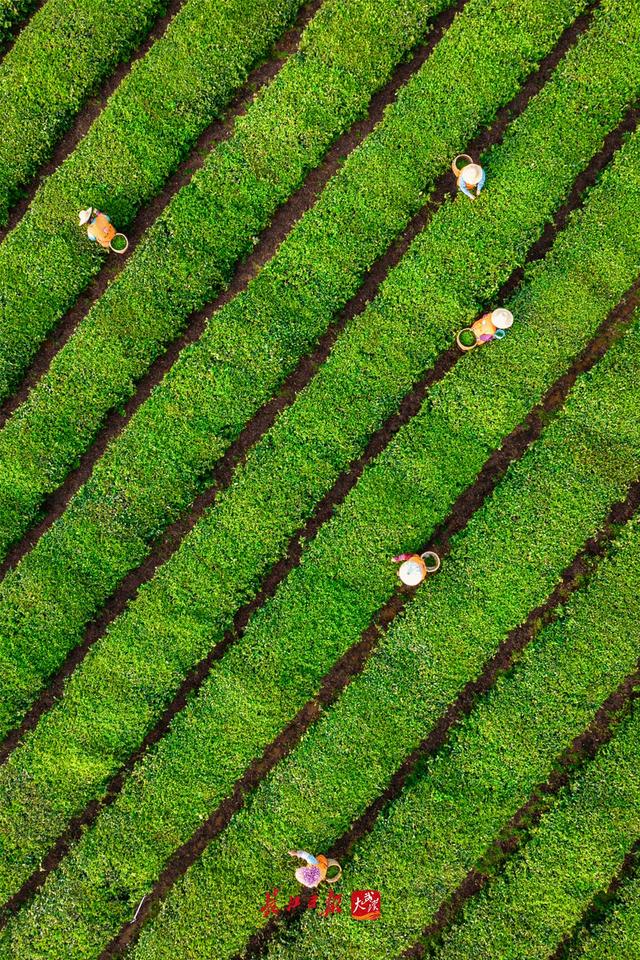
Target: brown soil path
<point>17,29</point>
<point>354,660</point>
<point>58,501</point>
<point>524,434</point>
<point>601,906</point>
<point>504,658</point>
<point>516,831</point>
<point>215,133</point>
<point>88,113</point>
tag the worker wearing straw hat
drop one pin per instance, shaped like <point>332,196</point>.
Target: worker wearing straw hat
<point>101,230</point>
<point>470,177</point>
<point>487,327</point>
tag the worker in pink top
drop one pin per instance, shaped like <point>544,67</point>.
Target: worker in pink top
<point>316,870</point>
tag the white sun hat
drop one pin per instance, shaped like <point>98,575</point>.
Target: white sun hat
<point>501,318</point>
<point>85,216</point>
<point>413,571</point>
<point>472,174</point>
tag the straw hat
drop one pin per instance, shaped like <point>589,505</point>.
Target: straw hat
<point>501,318</point>
<point>85,215</point>
<point>472,174</point>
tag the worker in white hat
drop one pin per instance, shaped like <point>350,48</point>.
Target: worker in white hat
<point>101,230</point>
<point>487,326</point>
<point>470,177</point>
<point>415,566</point>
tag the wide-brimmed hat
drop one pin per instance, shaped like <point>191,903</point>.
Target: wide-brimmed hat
<point>413,571</point>
<point>85,215</point>
<point>502,318</point>
<point>472,174</point>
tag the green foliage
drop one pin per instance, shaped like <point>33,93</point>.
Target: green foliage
<point>57,62</point>
<point>617,937</point>
<point>501,566</point>
<point>191,251</point>
<point>153,470</point>
<point>12,13</point>
<point>145,131</point>
<point>435,833</point>
<point>223,560</point>
<point>189,254</point>
<point>573,854</point>
<point>443,823</point>
<point>344,577</point>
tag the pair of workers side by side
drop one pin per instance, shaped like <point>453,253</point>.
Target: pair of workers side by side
<point>494,325</point>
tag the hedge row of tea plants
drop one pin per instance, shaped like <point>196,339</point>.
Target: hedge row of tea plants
<point>13,13</point>
<point>318,268</point>
<point>464,796</point>
<point>557,311</point>
<point>187,257</point>
<point>573,855</point>
<point>500,567</point>
<point>617,937</point>
<point>69,47</point>
<point>153,470</point>
<point>504,564</point>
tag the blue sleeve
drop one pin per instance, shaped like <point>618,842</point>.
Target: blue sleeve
<point>482,181</point>
<point>465,189</point>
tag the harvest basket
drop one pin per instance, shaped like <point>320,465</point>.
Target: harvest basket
<point>119,244</point>
<point>466,339</point>
<point>454,166</point>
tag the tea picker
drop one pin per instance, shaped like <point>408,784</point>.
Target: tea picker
<point>101,230</point>
<point>470,177</point>
<point>316,870</point>
<point>492,326</point>
<point>415,566</point>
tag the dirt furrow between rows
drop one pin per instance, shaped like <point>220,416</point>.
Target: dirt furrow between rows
<point>17,29</point>
<point>583,749</point>
<point>352,662</point>
<point>600,906</point>
<point>58,501</point>
<point>257,427</point>
<point>212,135</point>
<point>87,115</point>
<point>504,658</point>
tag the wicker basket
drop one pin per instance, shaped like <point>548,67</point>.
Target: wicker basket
<point>126,244</point>
<point>454,166</point>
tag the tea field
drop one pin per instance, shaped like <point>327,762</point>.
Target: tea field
<point>215,442</point>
